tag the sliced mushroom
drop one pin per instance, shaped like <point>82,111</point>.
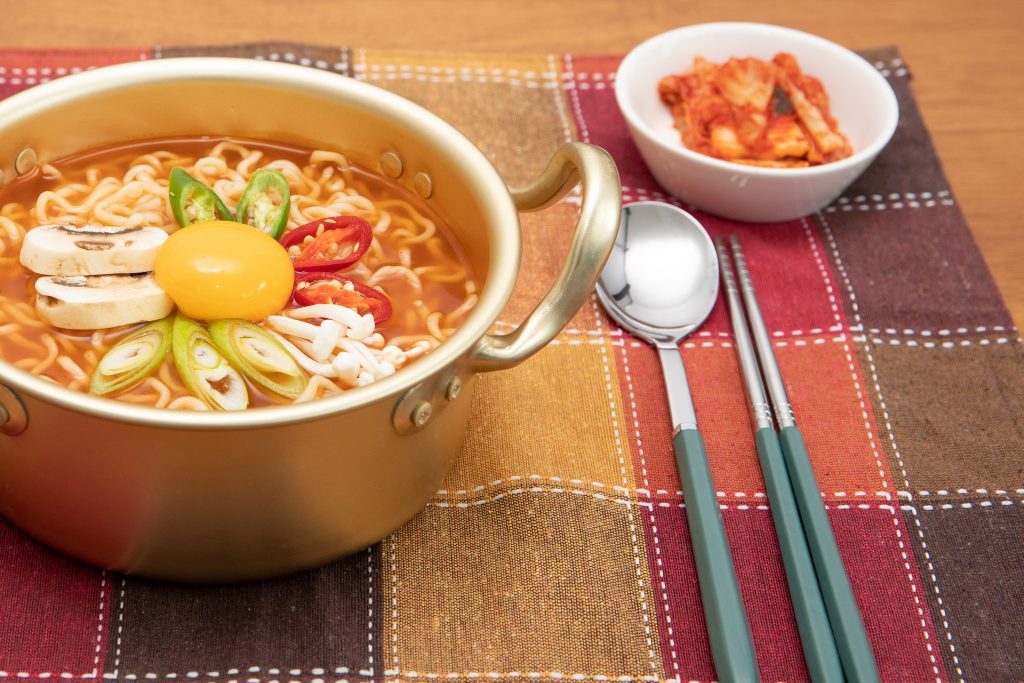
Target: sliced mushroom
<point>93,302</point>
<point>91,250</point>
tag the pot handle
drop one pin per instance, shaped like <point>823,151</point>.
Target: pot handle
<point>600,213</point>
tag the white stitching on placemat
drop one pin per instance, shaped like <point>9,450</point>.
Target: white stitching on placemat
<point>912,343</point>
<point>563,114</point>
<point>574,96</point>
<point>369,606</point>
<point>654,522</point>
<point>988,330</point>
<point>851,365</point>
<point>514,480</point>
<point>275,673</point>
<point>964,491</point>
<point>120,626</point>
<point>891,201</point>
<point>620,450</point>
<point>894,67</point>
<point>22,76</point>
<point>583,80</point>
<point>546,80</point>
<point>394,601</point>
<point>888,425</point>
<point>99,625</point>
<point>946,332</point>
<point>874,447</point>
<point>966,506</point>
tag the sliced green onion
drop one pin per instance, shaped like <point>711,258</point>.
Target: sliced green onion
<point>132,359</point>
<point>194,202</point>
<point>258,356</point>
<point>256,206</point>
<point>206,373</point>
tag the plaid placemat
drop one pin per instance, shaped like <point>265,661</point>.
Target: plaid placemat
<point>558,549</point>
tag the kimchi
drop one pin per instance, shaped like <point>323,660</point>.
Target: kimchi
<point>755,112</point>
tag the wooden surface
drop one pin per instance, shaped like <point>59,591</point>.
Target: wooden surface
<point>966,58</point>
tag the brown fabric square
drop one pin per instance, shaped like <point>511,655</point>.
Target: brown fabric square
<point>511,108</point>
<point>315,620</point>
<point>971,556</point>
<point>957,414</point>
<point>912,271</point>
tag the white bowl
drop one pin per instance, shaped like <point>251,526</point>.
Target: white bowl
<point>861,101</point>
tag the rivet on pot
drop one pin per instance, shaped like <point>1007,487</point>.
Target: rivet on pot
<point>453,389</point>
<point>26,161</point>
<point>423,184</point>
<point>391,164</point>
<point>421,414</point>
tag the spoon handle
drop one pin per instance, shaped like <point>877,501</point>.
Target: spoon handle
<point>732,647</point>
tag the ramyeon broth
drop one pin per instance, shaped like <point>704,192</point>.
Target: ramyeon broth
<point>447,284</point>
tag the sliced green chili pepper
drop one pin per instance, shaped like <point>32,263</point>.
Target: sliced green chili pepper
<point>257,207</point>
<point>258,356</point>
<point>194,202</point>
<point>132,359</point>
<point>206,373</point>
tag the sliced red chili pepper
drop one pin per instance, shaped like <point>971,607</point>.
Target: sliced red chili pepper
<point>330,288</point>
<point>334,243</point>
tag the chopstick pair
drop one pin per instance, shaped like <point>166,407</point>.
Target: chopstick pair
<point>832,634</point>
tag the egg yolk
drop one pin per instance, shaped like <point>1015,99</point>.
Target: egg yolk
<point>220,269</point>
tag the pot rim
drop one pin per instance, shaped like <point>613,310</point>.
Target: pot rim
<point>480,175</point>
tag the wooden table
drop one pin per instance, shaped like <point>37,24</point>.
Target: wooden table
<point>965,56</point>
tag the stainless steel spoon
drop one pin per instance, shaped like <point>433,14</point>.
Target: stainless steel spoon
<point>660,283</point>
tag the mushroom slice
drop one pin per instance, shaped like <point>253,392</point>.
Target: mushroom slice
<point>91,250</point>
<point>94,302</point>
<point>206,373</point>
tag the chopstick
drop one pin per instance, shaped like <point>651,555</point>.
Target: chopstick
<point>819,647</point>
<point>847,628</point>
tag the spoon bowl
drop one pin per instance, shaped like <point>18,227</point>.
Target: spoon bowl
<point>661,279</point>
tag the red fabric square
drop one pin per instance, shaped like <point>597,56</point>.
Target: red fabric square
<point>590,89</point>
<point>23,68</point>
<point>886,584</point>
<point>796,290</point>
<point>54,613</point>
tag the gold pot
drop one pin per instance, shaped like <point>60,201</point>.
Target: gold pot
<point>230,496</point>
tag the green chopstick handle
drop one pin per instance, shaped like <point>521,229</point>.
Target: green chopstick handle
<point>847,627</point>
<point>819,647</point>
<point>732,646</point>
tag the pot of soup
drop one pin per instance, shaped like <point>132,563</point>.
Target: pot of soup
<point>241,309</point>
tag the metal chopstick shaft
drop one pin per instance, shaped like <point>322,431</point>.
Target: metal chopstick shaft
<point>761,411</point>
<point>770,368</point>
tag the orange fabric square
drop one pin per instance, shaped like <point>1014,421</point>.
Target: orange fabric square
<point>529,424</point>
<point>824,385</point>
